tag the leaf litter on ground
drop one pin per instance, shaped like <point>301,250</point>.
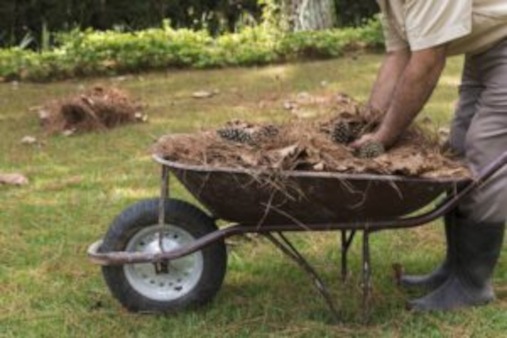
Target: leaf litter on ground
<point>16,179</point>
<point>96,108</point>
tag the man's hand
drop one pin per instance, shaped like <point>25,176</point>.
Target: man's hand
<point>414,86</point>
<point>368,146</point>
<point>364,140</point>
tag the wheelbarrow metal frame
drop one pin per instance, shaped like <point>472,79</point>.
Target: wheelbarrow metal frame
<point>274,233</point>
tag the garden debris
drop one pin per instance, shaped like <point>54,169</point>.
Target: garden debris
<point>311,144</point>
<point>305,105</point>
<point>443,135</point>
<point>13,179</point>
<point>69,132</point>
<point>204,94</point>
<point>28,140</point>
<point>98,108</point>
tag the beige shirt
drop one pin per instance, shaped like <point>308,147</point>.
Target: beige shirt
<point>469,26</point>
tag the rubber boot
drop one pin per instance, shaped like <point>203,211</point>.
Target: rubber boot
<point>478,247</point>
<point>436,278</point>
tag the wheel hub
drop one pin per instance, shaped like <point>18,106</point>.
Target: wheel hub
<point>166,280</point>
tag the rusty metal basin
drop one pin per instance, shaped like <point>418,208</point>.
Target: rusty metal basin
<point>253,197</point>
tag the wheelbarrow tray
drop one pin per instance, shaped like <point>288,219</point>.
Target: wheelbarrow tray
<point>255,197</point>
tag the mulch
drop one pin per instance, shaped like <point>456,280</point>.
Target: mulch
<point>307,144</point>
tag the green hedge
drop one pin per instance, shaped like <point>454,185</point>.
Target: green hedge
<point>83,53</point>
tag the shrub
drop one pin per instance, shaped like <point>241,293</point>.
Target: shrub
<point>89,52</point>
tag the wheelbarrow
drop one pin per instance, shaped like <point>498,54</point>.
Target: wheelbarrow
<point>166,255</point>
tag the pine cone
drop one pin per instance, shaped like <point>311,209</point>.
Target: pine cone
<point>371,150</point>
<point>341,132</point>
<point>235,135</point>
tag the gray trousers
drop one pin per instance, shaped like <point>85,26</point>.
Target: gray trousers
<point>479,130</point>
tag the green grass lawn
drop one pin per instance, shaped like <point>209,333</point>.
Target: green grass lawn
<point>78,184</point>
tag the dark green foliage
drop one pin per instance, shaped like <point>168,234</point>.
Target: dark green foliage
<point>23,22</point>
<point>354,12</point>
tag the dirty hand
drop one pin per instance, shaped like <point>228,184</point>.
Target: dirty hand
<point>368,146</point>
<point>384,135</point>
<point>365,139</point>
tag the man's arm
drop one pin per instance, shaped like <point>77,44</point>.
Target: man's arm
<point>413,89</point>
<point>388,76</point>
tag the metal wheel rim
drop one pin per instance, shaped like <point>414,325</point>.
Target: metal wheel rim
<point>183,273</point>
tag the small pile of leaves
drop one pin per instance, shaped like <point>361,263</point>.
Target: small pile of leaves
<point>98,108</point>
<point>319,144</point>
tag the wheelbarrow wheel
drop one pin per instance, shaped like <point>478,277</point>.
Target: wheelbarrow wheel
<point>171,286</point>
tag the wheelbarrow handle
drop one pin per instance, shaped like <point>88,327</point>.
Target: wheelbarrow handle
<point>485,174</point>
<point>493,167</point>
<point>451,201</point>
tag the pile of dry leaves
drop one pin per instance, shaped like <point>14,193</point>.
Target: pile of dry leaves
<point>99,108</point>
<point>310,145</point>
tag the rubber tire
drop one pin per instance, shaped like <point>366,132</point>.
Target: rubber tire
<point>177,213</point>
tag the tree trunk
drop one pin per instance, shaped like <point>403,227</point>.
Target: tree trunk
<point>306,15</point>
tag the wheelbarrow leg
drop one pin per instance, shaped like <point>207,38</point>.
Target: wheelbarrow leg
<point>346,241</point>
<point>366,274</point>
<point>164,196</point>
<point>290,251</point>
